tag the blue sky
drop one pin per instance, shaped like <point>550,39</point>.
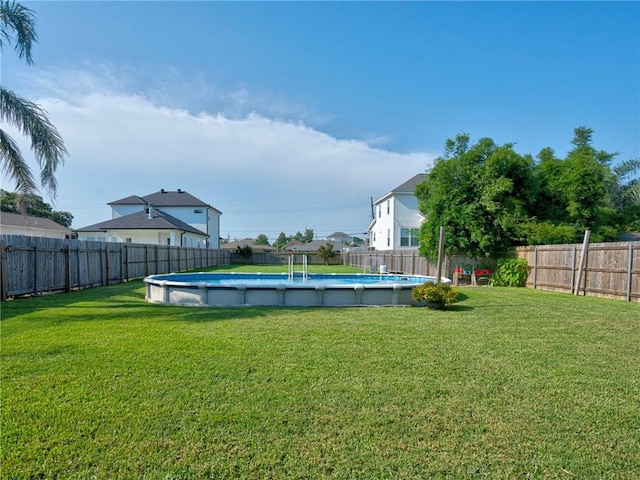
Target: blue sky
<point>292,115</point>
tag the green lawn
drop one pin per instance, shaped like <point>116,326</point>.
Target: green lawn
<point>507,383</point>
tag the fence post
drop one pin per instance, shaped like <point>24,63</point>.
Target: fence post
<point>126,262</point>
<point>78,265</point>
<point>35,270</point>
<point>107,264</point>
<point>583,258</point>
<point>573,267</point>
<point>535,266</point>
<point>3,272</point>
<point>629,272</point>
<point>68,289</point>
<point>440,254</point>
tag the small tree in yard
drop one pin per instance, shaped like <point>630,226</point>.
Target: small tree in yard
<point>326,253</point>
<point>245,251</point>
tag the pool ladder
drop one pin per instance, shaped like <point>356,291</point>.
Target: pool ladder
<point>304,270</point>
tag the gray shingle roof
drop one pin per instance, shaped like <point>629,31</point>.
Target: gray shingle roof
<point>140,220</point>
<point>410,185</point>
<point>163,198</point>
<point>27,221</point>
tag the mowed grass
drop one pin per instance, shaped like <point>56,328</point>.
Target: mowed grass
<point>507,383</point>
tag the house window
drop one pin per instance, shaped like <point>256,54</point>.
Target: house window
<point>198,210</point>
<point>127,240</point>
<point>379,211</point>
<point>388,237</point>
<point>388,207</point>
<point>409,237</point>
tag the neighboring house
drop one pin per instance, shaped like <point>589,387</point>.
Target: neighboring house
<point>162,218</point>
<point>344,238</point>
<point>17,224</point>
<point>313,246</point>
<point>397,220</point>
<point>247,242</point>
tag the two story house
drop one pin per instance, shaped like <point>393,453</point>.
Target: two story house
<point>397,220</point>
<point>161,218</point>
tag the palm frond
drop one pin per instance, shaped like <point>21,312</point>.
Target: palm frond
<point>626,168</point>
<point>14,165</point>
<point>631,193</point>
<point>20,20</point>
<point>46,143</point>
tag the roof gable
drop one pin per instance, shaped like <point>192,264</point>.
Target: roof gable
<point>130,200</point>
<point>406,188</point>
<point>27,221</point>
<point>410,185</point>
<point>179,198</point>
<point>140,221</point>
<point>163,198</point>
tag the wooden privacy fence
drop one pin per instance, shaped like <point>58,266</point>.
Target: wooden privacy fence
<point>610,269</point>
<point>35,265</point>
<point>282,258</point>
<point>408,262</point>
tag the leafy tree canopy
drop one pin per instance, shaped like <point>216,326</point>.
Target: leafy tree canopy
<point>33,205</point>
<point>490,198</point>
<point>261,239</point>
<point>480,193</point>
<point>281,241</point>
<point>326,253</point>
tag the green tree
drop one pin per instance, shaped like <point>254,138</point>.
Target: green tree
<point>281,241</point>
<point>261,239</point>
<point>33,205</point>
<point>578,193</point>
<point>308,235</point>
<point>326,253</point>
<point>17,29</point>
<point>585,180</point>
<point>245,251</point>
<point>480,193</point>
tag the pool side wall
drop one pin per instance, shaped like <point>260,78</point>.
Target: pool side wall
<point>280,295</point>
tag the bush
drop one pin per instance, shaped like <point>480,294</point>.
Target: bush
<point>437,295</point>
<point>511,272</point>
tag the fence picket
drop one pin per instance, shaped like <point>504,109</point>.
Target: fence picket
<point>35,265</point>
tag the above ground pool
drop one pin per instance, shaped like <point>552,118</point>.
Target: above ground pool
<point>294,290</point>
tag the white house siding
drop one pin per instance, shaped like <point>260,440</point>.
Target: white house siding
<point>213,228</point>
<point>151,237</point>
<point>203,218</point>
<point>393,213</point>
<point>382,238</point>
<point>118,211</point>
<point>32,232</point>
<point>407,215</point>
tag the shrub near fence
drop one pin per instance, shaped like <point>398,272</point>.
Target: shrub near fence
<point>35,265</point>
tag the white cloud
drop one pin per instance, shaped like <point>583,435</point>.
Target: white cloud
<point>266,175</point>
